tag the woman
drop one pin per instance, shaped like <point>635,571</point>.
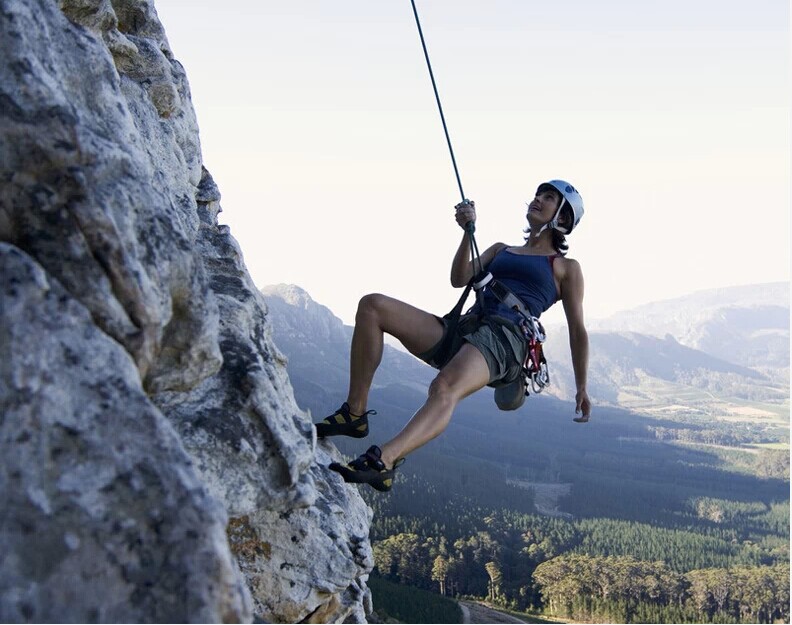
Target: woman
<point>487,349</point>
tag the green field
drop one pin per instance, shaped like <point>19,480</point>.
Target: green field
<point>664,398</point>
<point>771,446</point>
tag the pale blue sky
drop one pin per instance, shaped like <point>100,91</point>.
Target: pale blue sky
<point>319,125</point>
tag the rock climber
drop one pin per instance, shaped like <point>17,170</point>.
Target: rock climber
<point>488,346</point>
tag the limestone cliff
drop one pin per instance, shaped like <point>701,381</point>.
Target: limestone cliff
<point>153,463</point>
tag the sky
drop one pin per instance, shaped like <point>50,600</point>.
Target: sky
<point>319,125</point>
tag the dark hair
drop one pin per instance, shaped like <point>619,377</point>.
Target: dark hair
<point>559,240</point>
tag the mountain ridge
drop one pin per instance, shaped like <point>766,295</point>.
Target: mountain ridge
<point>739,324</point>
<point>627,368</point>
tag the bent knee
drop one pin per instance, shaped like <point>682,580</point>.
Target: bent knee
<point>441,389</point>
<point>371,303</point>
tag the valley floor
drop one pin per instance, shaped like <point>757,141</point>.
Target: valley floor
<point>546,496</point>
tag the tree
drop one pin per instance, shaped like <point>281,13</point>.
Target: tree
<point>495,580</point>
<point>404,558</point>
<point>440,572</point>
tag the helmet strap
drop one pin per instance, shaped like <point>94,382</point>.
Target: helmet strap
<point>553,223</point>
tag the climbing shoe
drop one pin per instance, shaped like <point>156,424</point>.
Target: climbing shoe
<point>368,469</point>
<point>343,423</point>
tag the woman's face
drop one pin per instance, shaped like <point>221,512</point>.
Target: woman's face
<point>543,207</point>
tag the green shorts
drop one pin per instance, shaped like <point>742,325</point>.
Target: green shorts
<point>499,340</point>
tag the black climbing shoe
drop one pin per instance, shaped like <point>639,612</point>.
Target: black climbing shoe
<point>368,469</point>
<point>343,423</point>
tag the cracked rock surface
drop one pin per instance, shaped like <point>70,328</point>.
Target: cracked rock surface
<point>154,465</point>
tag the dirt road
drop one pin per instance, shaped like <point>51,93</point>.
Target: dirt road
<point>478,613</point>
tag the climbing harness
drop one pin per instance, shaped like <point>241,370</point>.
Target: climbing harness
<point>535,365</point>
<point>534,374</point>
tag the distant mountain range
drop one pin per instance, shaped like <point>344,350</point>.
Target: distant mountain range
<point>746,325</point>
<point>723,352</point>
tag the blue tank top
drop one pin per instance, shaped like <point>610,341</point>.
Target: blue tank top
<point>529,277</point>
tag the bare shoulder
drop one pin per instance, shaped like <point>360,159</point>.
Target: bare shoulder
<point>567,268</point>
<point>492,251</point>
<point>569,279</point>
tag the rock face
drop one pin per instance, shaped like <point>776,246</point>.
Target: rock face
<point>153,463</point>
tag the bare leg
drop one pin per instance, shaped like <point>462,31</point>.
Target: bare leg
<point>466,373</point>
<point>377,314</point>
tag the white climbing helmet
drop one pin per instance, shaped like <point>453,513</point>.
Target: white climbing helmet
<point>569,195</point>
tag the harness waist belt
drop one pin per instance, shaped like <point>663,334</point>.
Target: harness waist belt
<point>510,299</point>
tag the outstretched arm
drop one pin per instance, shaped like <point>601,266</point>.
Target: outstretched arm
<point>462,269</point>
<point>572,298</point>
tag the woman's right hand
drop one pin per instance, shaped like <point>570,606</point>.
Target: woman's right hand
<point>465,213</point>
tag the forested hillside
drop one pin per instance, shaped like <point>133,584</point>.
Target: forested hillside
<point>457,524</point>
<point>651,518</point>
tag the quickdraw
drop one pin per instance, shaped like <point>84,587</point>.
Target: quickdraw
<point>535,367</point>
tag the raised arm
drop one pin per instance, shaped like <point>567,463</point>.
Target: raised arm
<point>572,298</point>
<point>462,268</point>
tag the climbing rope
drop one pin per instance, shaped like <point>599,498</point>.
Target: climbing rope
<point>470,227</point>
<point>535,366</point>
<point>437,97</point>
